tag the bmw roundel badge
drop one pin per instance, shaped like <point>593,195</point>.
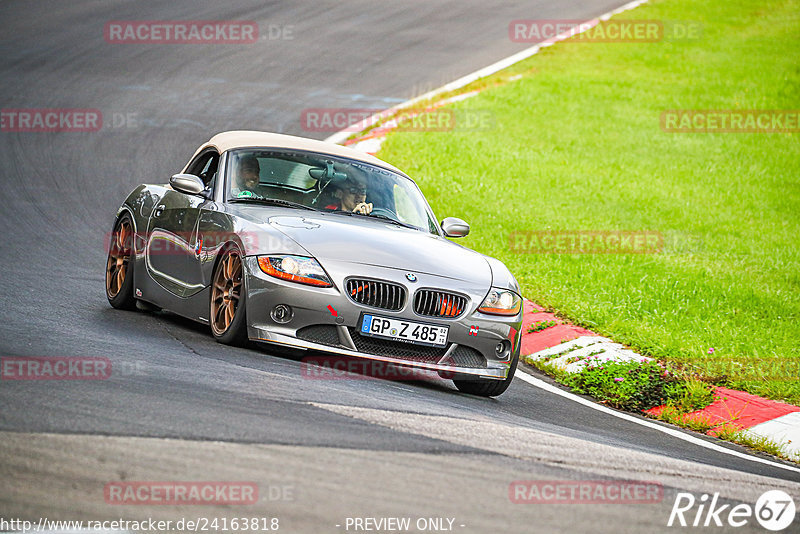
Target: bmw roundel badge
<point>411,277</point>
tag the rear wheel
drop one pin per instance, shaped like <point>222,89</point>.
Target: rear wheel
<point>488,388</point>
<point>119,266</point>
<point>227,313</point>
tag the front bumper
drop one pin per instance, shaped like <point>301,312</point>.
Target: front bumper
<point>498,372</point>
<point>472,337</point>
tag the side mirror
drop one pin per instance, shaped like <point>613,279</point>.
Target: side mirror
<point>454,227</point>
<point>187,183</point>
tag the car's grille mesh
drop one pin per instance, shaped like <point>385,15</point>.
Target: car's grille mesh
<point>466,357</point>
<point>432,303</point>
<point>384,295</point>
<point>461,357</point>
<point>324,334</point>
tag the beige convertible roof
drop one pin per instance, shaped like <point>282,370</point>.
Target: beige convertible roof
<point>249,138</point>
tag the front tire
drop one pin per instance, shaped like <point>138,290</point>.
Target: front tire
<point>227,305</point>
<point>488,388</point>
<point>119,266</point>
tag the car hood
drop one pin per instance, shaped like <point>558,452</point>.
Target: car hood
<point>358,240</point>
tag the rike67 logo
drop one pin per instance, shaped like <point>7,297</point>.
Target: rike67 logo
<point>774,510</point>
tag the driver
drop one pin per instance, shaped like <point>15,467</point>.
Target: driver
<point>247,178</point>
<point>351,196</point>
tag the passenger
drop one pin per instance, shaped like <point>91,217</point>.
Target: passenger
<point>247,179</point>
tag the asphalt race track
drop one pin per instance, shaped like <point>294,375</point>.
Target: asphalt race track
<point>183,407</point>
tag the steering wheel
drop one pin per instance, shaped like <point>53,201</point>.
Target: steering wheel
<point>384,211</point>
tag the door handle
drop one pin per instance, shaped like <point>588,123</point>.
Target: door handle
<point>159,210</point>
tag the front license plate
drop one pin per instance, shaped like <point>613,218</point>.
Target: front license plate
<point>406,331</point>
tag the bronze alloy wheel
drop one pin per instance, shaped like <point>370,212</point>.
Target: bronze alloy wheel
<point>119,256</point>
<point>226,292</point>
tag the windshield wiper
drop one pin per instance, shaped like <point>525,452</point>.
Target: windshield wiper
<point>271,201</point>
<point>394,221</point>
<point>341,211</point>
<point>374,216</point>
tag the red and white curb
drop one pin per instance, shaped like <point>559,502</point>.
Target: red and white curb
<point>586,351</point>
<point>572,349</point>
<point>756,416</point>
<point>783,429</point>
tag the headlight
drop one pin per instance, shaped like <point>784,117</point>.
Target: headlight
<point>501,302</point>
<point>295,269</point>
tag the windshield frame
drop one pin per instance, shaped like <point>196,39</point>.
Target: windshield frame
<point>433,222</point>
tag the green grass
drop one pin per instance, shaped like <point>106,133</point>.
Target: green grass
<point>757,443</point>
<point>694,395</point>
<point>576,145</point>
<point>675,417</point>
<point>637,386</point>
<point>541,325</point>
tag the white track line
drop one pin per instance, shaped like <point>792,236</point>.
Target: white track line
<point>532,380</point>
<point>342,135</point>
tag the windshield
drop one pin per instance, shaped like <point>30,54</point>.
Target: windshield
<point>326,183</point>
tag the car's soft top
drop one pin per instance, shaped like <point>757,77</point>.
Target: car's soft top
<point>249,138</point>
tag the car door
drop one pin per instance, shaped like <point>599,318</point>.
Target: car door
<point>171,253</point>
<point>203,238</point>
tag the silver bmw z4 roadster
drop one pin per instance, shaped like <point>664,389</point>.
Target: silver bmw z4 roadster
<point>314,246</point>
